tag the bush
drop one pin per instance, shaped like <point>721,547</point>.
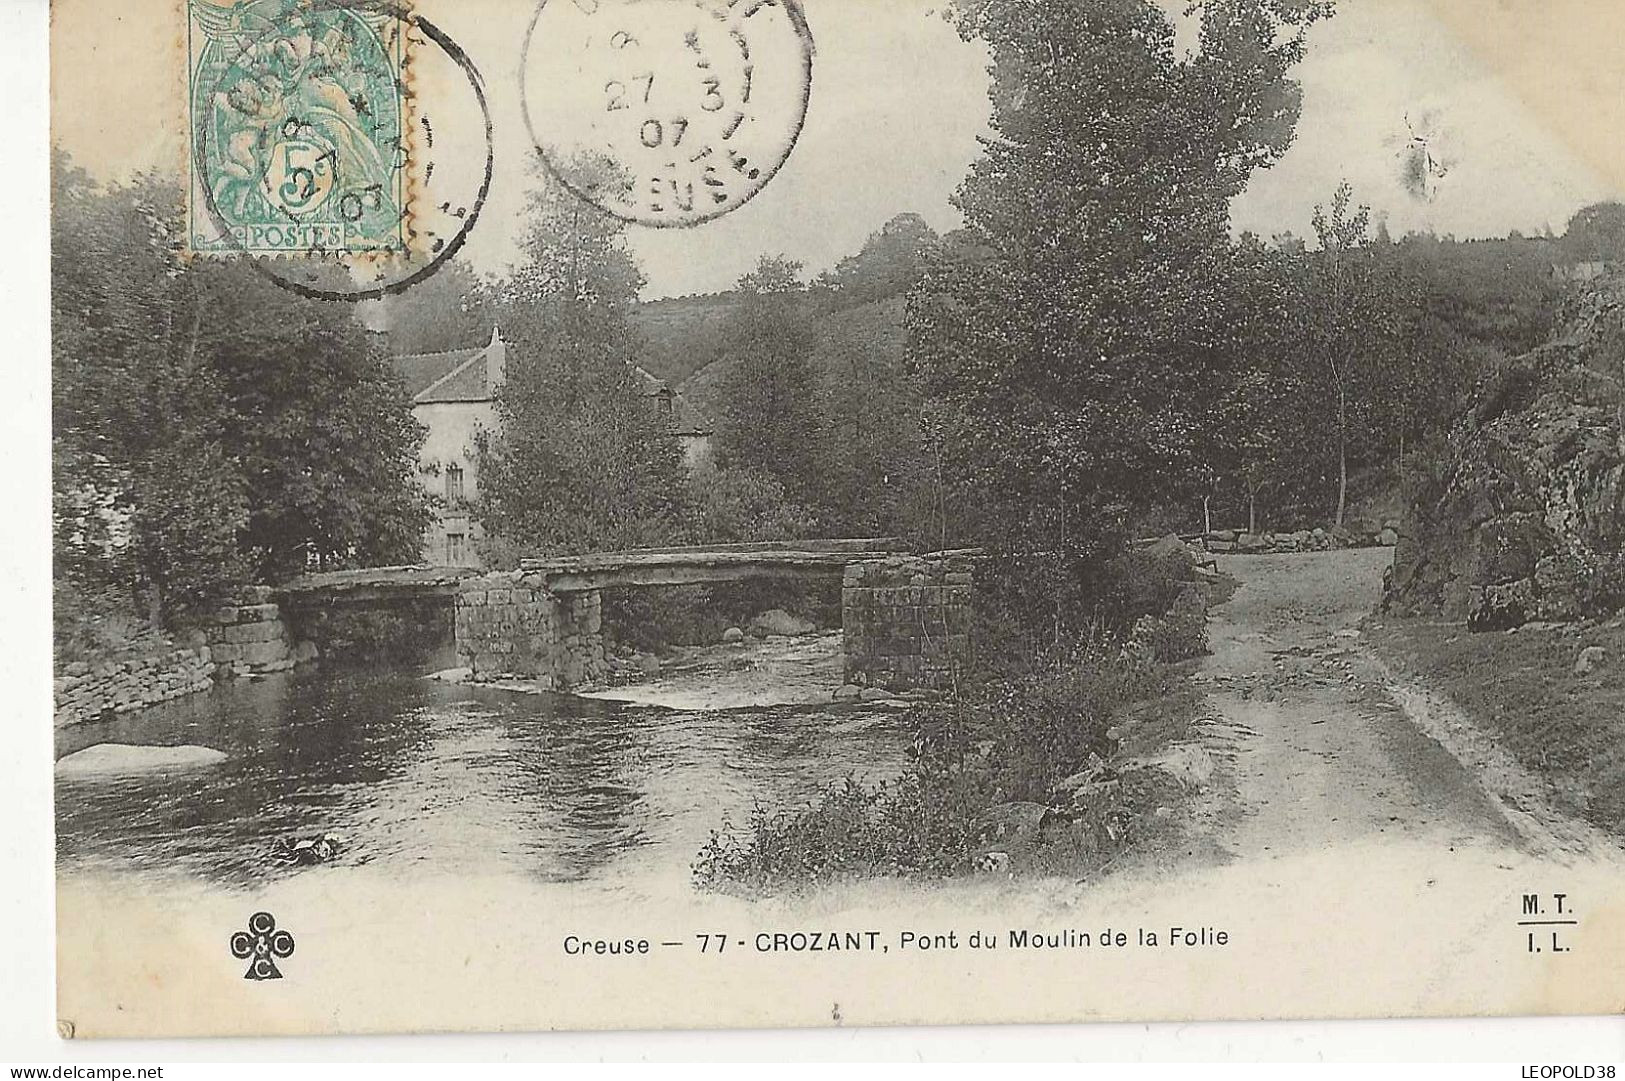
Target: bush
<point>740,503</point>
<point>921,824</point>
<point>1178,635</point>
<point>1006,741</point>
<point>1061,651</point>
<point>1142,582</point>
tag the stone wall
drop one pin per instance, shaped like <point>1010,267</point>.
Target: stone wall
<point>507,628</point>
<point>244,637</point>
<point>907,620</point>
<point>85,691</point>
<point>1357,533</point>
<point>251,637</point>
<point>579,657</point>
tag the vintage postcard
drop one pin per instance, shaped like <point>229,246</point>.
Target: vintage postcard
<point>589,514</point>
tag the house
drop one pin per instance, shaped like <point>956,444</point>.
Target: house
<point>454,397</point>
<point>682,420</point>
<point>1584,271</point>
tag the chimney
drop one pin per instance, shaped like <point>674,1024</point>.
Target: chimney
<point>496,361</point>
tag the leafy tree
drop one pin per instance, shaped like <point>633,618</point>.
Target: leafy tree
<point>743,504</point>
<point>209,425</point>
<point>1597,233</point>
<point>143,493</point>
<point>449,310</point>
<point>769,419</point>
<point>1254,428</point>
<point>1077,342</point>
<point>1351,321</point>
<point>891,262</point>
<point>321,427</point>
<point>868,453</point>
<point>582,461</point>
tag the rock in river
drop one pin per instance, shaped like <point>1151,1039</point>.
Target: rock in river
<point>115,759</point>
<point>1591,657</point>
<point>778,621</point>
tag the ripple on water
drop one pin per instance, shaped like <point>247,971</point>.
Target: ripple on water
<point>412,773</point>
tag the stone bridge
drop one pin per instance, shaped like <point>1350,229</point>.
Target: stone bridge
<point>905,617</point>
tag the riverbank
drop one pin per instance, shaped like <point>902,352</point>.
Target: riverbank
<point>1325,813</point>
<point>1551,695</point>
<point>109,662</point>
<point>1059,764</point>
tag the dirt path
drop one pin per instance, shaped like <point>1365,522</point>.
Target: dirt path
<point>1318,746</point>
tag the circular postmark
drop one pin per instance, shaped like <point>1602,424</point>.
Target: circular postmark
<point>311,154</point>
<point>666,112</point>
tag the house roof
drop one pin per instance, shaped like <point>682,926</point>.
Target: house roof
<point>457,375</point>
<point>419,371</point>
<point>685,419</point>
<point>463,375</point>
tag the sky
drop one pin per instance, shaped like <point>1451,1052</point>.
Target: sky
<point>1521,101</point>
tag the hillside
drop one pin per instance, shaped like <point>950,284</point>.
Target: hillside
<point>681,334</point>
<point>1526,516</point>
<point>865,335</point>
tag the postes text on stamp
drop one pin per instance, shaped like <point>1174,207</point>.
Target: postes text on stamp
<point>667,112</point>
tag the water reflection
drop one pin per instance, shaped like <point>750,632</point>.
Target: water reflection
<point>411,773</point>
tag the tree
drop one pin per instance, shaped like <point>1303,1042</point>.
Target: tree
<point>321,428</point>
<point>769,415</point>
<point>1350,311</point>
<point>868,455</point>
<point>583,460</point>
<point>1076,352</point>
<point>891,262</point>
<point>1596,233</point>
<point>209,425</point>
<point>143,492</point>
<point>1255,428</point>
<point>450,310</point>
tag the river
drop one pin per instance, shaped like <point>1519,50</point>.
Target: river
<point>413,774</point>
<point>1353,869</point>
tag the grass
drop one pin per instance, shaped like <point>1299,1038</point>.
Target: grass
<point>1522,688</point>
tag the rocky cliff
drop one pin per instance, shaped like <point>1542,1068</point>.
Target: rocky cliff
<point>1524,517</point>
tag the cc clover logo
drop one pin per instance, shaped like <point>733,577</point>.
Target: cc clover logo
<point>264,943</point>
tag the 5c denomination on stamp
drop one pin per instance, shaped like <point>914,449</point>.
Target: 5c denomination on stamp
<point>666,112</point>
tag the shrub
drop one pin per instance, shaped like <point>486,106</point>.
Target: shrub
<point>1004,741</point>
<point>1177,635</point>
<point>1142,582</point>
<point>1037,706</point>
<point>740,503</point>
<point>921,824</point>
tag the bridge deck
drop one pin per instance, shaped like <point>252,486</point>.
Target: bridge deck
<point>375,583</point>
<point>704,563</point>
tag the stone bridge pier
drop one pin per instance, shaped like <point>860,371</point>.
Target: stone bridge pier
<point>906,618</point>
<point>507,626</point>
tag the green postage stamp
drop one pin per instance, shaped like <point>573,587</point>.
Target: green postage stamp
<point>299,127</point>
